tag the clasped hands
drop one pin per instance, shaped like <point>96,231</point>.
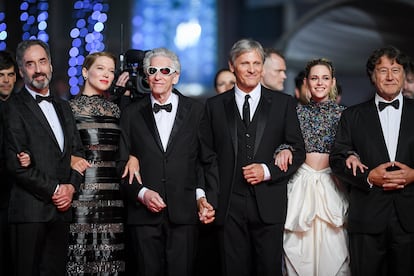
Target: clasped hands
<point>391,176</point>
<point>154,202</point>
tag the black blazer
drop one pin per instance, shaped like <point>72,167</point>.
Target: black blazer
<point>174,173</point>
<point>360,130</point>
<point>5,177</point>
<point>277,124</point>
<point>27,129</point>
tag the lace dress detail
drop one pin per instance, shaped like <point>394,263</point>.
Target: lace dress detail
<point>97,232</point>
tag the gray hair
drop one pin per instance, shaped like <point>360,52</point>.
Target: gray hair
<point>245,45</point>
<point>164,52</point>
<point>25,44</point>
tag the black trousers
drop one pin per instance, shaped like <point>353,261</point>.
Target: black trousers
<point>39,249</point>
<point>5,250</point>
<point>390,253</point>
<point>249,246</point>
<point>164,249</point>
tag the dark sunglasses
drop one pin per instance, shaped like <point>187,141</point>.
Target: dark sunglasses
<point>152,70</point>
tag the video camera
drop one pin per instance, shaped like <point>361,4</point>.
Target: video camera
<point>132,62</point>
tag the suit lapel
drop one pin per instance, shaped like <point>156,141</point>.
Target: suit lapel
<point>373,124</point>
<point>61,116</point>
<point>183,110</point>
<point>231,116</point>
<point>262,113</point>
<point>148,116</point>
<point>405,128</point>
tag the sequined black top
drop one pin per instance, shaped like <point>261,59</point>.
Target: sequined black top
<point>318,122</point>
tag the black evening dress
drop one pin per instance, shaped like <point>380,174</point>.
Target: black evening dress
<point>97,232</point>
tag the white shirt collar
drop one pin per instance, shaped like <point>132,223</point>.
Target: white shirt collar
<point>173,99</point>
<point>33,93</point>
<point>254,94</point>
<point>378,98</point>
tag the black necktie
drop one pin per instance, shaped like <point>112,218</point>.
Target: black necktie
<point>382,105</point>
<point>39,98</point>
<point>167,107</point>
<point>246,110</point>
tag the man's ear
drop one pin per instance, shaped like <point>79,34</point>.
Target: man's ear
<point>176,78</point>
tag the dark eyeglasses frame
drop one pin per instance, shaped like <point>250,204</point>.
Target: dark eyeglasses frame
<point>160,69</point>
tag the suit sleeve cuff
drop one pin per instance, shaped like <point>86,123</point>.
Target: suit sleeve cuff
<point>266,170</point>
<point>142,193</point>
<point>369,183</point>
<point>200,193</point>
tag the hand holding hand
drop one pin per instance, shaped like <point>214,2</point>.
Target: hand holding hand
<point>206,212</point>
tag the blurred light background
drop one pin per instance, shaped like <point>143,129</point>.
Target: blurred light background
<point>202,32</point>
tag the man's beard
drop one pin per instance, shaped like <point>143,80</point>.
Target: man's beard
<point>40,84</point>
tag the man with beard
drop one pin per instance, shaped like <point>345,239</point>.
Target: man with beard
<point>40,200</point>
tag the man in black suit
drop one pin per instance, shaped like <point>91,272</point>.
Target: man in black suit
<point>240,131</point>
<point>40,200</point>
<point>8,76</point>
<point>161,130</point>
<point>380,221</point>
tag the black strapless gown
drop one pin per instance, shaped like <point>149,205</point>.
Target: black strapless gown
<point>97,232</point>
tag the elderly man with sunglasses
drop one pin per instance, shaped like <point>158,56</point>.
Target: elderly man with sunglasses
<point>161,130</point>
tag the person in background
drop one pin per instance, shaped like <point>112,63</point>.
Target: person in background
<point>60,87</point>
<point>8,76</point>
<point>274,70</point>
<point>224,80</point>
<point>315,240</point>
<point>161,130</point>
<point>339,92</point>
<point>408,89</point>
<point>239,132</point>
<point>381,198</point>
<point>302,94</point>
<point>41,196</point>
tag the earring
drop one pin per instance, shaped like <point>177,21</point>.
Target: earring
<point>85,77</point>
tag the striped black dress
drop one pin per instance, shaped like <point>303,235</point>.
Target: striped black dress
<point>97,232</point>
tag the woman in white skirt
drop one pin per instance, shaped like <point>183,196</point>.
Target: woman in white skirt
<point>315,239</point>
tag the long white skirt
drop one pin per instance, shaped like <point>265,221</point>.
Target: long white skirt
<point>315,241</point>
